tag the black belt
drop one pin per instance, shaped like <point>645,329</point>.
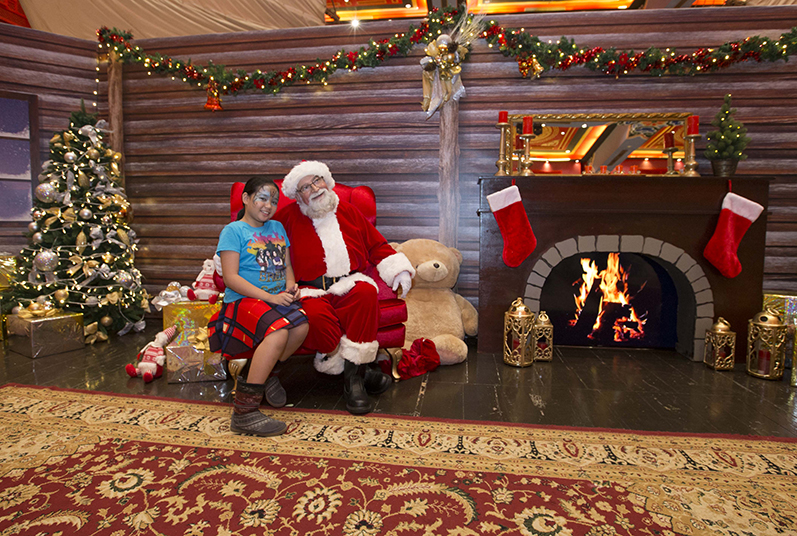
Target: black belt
<point>322,282</point>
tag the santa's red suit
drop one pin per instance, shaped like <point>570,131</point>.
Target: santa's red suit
<point>340,245</point>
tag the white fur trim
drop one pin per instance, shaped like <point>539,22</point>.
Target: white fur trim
<point>742,206</point>
<point>301,171</point>
<point>392,266</point>
<point>328,364</point>
<point>311,292</point>
<point>217,264</point>
<point>504,198</point>
<point>336,254</point>
<point>357,352</point>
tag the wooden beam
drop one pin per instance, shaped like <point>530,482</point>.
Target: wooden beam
<point>448,195</point>
<point>115,103</point>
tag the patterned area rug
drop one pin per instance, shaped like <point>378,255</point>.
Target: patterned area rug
<point>86,463</point>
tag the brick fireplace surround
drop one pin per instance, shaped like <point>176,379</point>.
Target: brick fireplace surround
<point>669,219</point>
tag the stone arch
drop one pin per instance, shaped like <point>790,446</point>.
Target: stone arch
<point>680,263</point>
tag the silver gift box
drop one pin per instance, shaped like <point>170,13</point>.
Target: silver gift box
<point>40,337</point>
<point>185,363</point>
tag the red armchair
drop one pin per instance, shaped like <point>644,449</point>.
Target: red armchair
<point>392,310</point>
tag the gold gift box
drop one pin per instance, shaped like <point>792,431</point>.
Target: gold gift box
<point>40,337</point>
<point>8,265</point>
<point>786,306</point>
<point>189,315</point>
<point>189,360</point>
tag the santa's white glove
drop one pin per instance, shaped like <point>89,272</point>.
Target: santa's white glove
<point>404,279</point>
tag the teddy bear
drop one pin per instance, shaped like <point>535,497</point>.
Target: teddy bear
<point>152,357</point>
<point>434,310</point>
<point>205,288</point>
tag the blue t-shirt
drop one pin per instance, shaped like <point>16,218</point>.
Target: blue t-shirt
<point>261,253</point>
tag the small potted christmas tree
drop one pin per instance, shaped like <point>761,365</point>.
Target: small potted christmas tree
<point>726,144</point>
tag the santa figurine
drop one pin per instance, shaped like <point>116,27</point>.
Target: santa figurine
<point>152,357</point>
<point>205,288</point>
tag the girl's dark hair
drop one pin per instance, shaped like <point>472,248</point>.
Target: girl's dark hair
<point>253,186</point>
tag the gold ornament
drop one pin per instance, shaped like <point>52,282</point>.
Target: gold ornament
<point>107,257</point>
<point>80,242</point>
<point>123,235</point>
<point>93,154</point>
<point>526,65</point>
<point>93,334</point>
<point>115,169</point>
<point>109,152</point>
<point>106,321</point>
<point>61,295</point>
<point>68,136</point>
<point>117,157</point>
<point>83,180</point>
<point>56,138</point>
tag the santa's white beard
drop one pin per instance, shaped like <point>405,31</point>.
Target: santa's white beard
<point>320,206</point>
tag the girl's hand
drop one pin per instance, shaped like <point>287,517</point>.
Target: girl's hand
<point>283,298</point>
<point>294,291</point>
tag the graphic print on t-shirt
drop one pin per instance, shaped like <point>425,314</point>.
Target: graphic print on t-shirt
<point>269,251</point>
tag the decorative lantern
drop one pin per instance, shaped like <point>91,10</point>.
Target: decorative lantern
<point>543,338</point>
<point>766,345</point>
<point>518,327</point>
<point>720,346</point>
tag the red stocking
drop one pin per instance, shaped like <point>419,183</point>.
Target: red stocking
<point>736,217</point>
<point>519,240</point>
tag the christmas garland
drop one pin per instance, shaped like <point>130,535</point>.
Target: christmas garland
<point>528,50</point>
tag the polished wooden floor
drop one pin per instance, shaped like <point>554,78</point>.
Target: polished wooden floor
<point>598,388</point>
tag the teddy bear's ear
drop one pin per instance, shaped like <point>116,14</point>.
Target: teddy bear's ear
<point>395,245</point>
<point>456,253</point>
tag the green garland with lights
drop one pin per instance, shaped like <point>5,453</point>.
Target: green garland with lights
<point>80,251</point>
<point>528,50</point>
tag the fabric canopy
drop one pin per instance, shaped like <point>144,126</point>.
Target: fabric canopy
<point>170,18</point>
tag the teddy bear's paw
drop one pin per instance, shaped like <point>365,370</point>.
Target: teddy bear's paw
<point>452,350</point>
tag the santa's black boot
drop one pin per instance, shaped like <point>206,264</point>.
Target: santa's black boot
<point>357,401</point>
<point>376,382</point>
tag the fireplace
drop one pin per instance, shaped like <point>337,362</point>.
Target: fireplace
<point>641,235</point>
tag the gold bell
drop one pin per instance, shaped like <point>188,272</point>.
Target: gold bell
<point>543,338</point>
<point>720,348</point>
<point>766,345</point>
<point>518,327</point>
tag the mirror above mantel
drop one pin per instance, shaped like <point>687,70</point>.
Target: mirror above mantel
<point>622,142</point>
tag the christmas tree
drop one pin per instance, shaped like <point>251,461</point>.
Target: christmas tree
<point>729,141</point>
<point>81,249</point>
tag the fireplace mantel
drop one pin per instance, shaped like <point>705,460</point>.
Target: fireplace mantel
<point>671,217</point>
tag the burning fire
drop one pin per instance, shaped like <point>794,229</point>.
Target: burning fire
<point>613,286</point>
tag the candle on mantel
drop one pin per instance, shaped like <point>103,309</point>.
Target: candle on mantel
<point>692,125</point>
<point>528,124</point>
<point>503,117</point>
<point>669,139</point>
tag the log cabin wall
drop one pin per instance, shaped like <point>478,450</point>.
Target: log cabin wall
<point>181,159</point>
<point>59,71</point>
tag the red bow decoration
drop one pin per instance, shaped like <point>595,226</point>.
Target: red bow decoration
<point>422,357</point>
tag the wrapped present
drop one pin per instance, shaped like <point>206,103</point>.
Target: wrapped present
<point>8,264</point>
<point>786,306</point>
<point>189,359</point>
<point>45,335</point>
<point>188,315</point>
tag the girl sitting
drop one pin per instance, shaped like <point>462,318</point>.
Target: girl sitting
<point>261,308</point>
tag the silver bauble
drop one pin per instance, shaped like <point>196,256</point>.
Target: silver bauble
<point>46,260</point>
<point>70,157</point>
<point>33,227</point>
<point>85,214</point>
<point>87,130</point>
<point>445,43</point>
<point>36,213</point>
<point>46,193</point>
<point>37,238</point>
<point>15,310</point>
<point>125,279</point>
<point>107,219</point>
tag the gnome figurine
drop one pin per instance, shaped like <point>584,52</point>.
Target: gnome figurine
<point>152,357</point>
<point>205,288</point>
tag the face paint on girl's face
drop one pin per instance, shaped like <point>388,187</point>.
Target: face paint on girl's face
<point>265,195</point>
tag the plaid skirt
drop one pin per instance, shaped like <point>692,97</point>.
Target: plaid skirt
<point>240,326</point>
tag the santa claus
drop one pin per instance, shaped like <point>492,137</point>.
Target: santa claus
<point>331,245</point>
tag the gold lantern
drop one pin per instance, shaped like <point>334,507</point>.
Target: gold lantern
<point>518,327</point>
<point>766,345</point>
<point>543,338</point>
<point>720,346</point>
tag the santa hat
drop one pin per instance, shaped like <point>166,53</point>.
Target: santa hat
<point>300,171</point>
